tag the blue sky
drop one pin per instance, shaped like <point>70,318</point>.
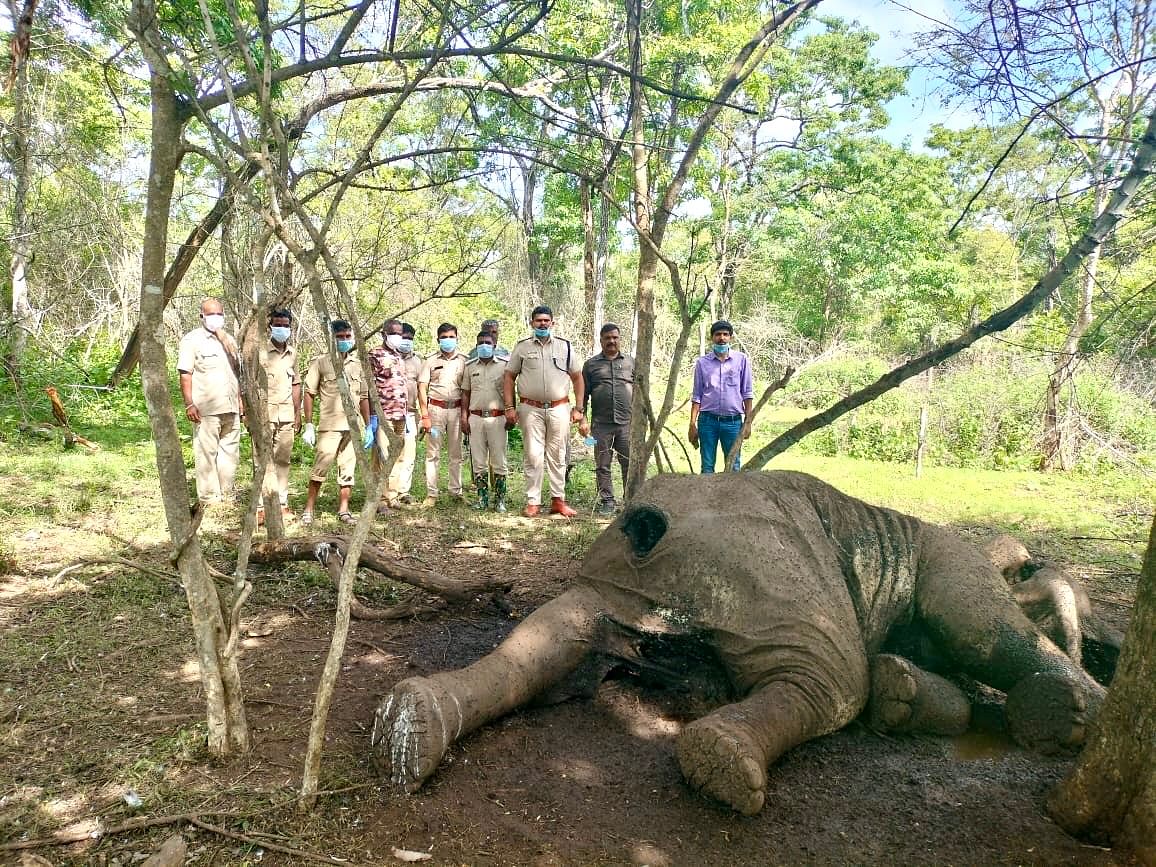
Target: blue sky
<point>913,114</point>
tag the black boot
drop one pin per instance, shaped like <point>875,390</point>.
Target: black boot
<point>499,493</point>
<point>482,483</point>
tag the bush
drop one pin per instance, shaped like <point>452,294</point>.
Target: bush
<point>983,414</point>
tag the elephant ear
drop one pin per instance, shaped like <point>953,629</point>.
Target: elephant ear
<point>644,526</point>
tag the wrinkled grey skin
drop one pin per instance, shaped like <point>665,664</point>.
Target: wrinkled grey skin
<point>794,587</point>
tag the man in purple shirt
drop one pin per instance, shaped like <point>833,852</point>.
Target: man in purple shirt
<point>722,396</point>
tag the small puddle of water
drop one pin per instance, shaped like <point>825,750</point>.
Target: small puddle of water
<point>972,746</point>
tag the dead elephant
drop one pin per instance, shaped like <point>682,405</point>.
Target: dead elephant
<point>793,587</point>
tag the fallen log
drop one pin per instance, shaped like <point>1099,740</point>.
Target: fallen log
<point>372,558</point>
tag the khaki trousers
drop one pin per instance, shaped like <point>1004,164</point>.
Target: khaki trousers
<point>448,423</point>
<point>216,450</point>
<point>389,493</point>
<point>488,444</point>
<point>401,479</point>
<point>335,445</point>
<point>276,480</point>
<point>544,435</point>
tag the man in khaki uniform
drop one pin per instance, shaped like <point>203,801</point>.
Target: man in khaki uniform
<point>332,438</point>
<point>485,421</point>
<point>439,397</point>
<point>279,358</point>
<point>208,366</point>
<point>545,368</point>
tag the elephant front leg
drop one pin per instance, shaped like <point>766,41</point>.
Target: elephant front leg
<point>421,717</point>
<point>726,753</point>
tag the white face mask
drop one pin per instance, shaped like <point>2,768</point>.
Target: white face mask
<point>213,321</point>
<point>393,341</point>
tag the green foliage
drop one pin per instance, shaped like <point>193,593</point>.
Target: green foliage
<point>983,414</point>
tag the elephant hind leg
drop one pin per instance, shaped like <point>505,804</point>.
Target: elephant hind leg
<point>905,698</point>
<point>726,753</point>
<point>1050,713</point>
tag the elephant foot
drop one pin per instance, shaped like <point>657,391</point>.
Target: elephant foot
<point>905,698</point>
<point>1051,713</point>
<point>721,758</point>
<point>412,729</point>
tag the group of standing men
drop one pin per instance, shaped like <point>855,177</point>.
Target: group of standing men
<point>540,386</point>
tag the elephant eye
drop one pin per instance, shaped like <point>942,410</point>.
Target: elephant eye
<point>644,526</point>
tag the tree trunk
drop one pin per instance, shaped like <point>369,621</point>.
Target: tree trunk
<point>601,257</point>
<point>1057,451</point>
<point>589,265</point>
<point>220,677</point>
<point>1110,796</point>
<point>19,241</point>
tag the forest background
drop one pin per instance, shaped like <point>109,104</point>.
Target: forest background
<point>659,166</point>
<point>503,182</point>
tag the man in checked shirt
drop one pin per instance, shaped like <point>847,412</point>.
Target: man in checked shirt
<point>389,376</point>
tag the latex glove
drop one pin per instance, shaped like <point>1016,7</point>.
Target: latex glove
<point>370,433</point>
<point>309,435</point>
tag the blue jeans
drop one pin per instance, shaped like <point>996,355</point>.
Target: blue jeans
<point>713,431</point>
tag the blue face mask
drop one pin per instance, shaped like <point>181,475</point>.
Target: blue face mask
<point>344,345</point>
<point>406,346</point>
<point>541,332</point>
<point>721,348</point>
<point>485,350</point>
<point>280,333</point>
<point>447,344</point>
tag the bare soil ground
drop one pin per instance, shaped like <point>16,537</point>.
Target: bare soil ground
<point>100,706</point>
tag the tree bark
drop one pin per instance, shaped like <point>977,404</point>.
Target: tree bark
<point>1100,229</point>
<point>1110,796</point>
<point>20,158</point>
<point>220,678</point>
<point>588,261</point>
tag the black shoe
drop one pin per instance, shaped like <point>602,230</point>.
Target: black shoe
<point>606,508</point>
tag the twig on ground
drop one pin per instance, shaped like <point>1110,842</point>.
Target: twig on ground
<point>266,844</point>
<point>115,561</point>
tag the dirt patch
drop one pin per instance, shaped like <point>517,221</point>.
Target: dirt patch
<point>583,782</point>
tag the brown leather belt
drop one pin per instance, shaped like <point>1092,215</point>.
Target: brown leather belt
<point>445,404</point>
<point>487,413</point>
<point>549,404</point>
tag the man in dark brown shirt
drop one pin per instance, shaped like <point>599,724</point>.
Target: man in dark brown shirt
<point>609,377</point>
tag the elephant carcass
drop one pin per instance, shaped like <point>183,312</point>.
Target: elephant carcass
<point>795,587</point>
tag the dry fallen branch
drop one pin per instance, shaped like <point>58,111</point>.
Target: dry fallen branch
<point>333,559</point>
<point>374,559</point>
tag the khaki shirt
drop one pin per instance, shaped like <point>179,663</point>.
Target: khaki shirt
<point>483,380</point>
<point>280,376</point>
<point>442,375</point>
<point>322,380</point>
<point>215,388</point>
<point>413,365</point>
<point>543,368</point>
